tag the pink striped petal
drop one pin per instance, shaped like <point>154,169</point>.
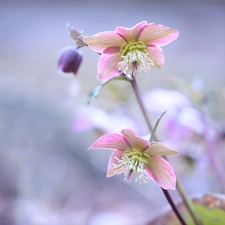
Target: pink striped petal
<point>157,148</point>
<point>131,34</point>
<point>112,160</point>
<point>111,141</point>
<point>108,65</point>
<point>137,143</point>
<point>160,171</point>
<point>157,34</point>
<point>156,54</point>
<point>100,41</point>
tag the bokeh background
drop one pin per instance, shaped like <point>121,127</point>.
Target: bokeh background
<point>46,174</point>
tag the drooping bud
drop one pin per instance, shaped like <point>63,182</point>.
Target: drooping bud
<point>69,60</point>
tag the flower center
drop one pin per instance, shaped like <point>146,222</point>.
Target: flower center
<point>133,162</point>
<point>132,47</point>
<point>135,59</point>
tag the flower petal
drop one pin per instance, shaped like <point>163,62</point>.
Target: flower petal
<point>137,143</point>
<point>157,34</point>
<point>111,141</point>
<point>108,65</point>
<point>102,40</point>
<point>156,54</point>
<point>160,171</point>
<point>112,160</point>
<point>131,34</point>
<point>157,148</point>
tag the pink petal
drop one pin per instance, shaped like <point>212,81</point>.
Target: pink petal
<point>131,34</point>
<point>108,65</point>
<point>102,40</point>
<point>111,141</point>
<point>157,148</point>
<point>160,171</point>
<point>157,34</point>
<point>156,54</point>
<point>136,142</point>
<point>112,160</point>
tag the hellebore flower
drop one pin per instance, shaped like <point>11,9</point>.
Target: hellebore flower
<point>130,51</point>
<point>135,155</point>
<point>69,60</point>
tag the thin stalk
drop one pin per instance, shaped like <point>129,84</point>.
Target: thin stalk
<point>188,203</point>
<point>169,199</point>
<point>139,99</point>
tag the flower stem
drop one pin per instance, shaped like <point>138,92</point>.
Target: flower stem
<point>138,96</point>
<point>188,203</point>
<point>169,199</point>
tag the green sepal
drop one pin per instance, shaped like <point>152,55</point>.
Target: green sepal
<point>155,127</point>
<point>95,91</point>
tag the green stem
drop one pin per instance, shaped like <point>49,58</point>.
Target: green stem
<point>188,203</point>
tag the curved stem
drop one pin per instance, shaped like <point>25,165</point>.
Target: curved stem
<point>188,203</point>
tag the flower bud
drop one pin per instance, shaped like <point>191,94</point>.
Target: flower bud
<point>69,60</point>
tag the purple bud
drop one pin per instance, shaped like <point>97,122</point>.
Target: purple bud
<point>69,60</point>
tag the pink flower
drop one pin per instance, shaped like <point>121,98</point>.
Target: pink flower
<point>135,155</point>
<point>130,51</point>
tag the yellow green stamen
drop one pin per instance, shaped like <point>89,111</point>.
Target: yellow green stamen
<point>133,47</point>
<point>133,162</point>
<point>135,59</point>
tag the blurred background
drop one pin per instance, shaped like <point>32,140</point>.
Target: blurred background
<point>46,174</point>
